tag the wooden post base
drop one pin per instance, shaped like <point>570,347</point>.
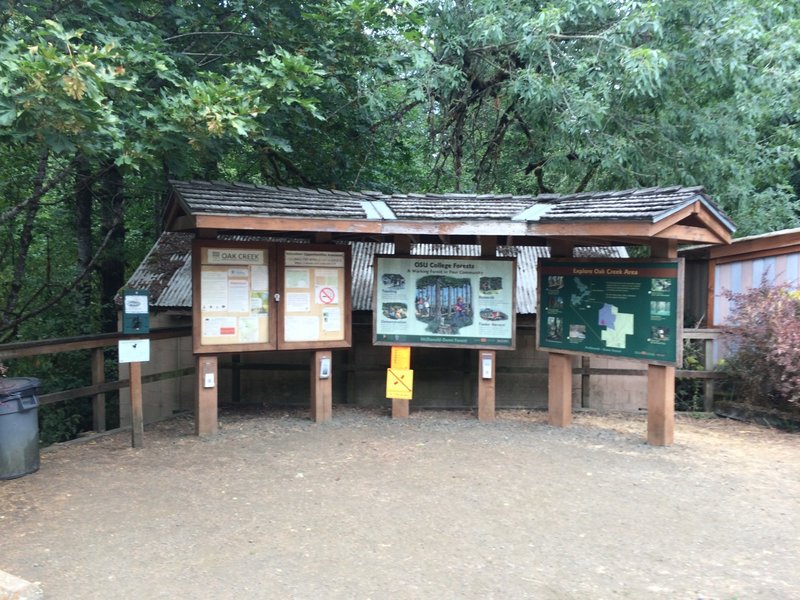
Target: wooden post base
<point>137,412</point>
<point>486,387</point>
<point>321,389</point>
<point>660,405</point>
<point>205,405</point>
<point>559,389</point>
<point>400,408</point>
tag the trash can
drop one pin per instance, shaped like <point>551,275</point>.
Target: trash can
<point>19,427</point>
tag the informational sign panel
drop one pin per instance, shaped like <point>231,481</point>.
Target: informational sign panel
<point>401,357</point>
<point>135,311</point>
<point>315,297</point>
<point>624,308</point>
<point>133,351</point>
<point>444,301</point>
<point>232,303</point>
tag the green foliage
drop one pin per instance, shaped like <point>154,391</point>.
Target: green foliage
<point>590,94</point>
<point>63,421</point>
<point>481,95</point>
<point>689,392</point>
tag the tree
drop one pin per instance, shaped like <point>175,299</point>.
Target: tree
<point>556,96</point>
<point>111,100</point>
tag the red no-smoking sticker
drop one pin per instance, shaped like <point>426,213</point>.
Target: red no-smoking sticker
<point>327,295</point>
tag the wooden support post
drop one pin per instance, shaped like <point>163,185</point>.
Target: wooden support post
<point>137,413</point>
<point>486,385</point>
<point>487,378</point>
<point>559,389</point>
<point>99,400</point>
<point>400,359</point>
<point>400,409</point>
<point>661,379</point>
<point>559,366</point>
<point>236,378</point>
<point>321,386</point>
<point>660,405</point>
<point>402,245</point>
<point>205,395</point>
<point>585,380</point>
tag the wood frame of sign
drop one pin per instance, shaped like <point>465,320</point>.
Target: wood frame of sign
<point>315,308</point>
<point>241,302</point>
<point>445,302</point>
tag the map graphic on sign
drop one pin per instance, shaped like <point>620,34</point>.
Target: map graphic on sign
<point>583,292</point>
<point>617,326</point>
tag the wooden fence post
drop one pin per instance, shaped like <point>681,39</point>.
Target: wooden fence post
<point>99,400</point>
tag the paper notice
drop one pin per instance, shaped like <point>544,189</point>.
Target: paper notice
<point>214,286</point>
<point>297,278</point>
<point>298,302</point>
<point>301,329</point>
<point>238,295</point>
<point>259,278</point>
<point>219,326</point>
<point>331,319</point>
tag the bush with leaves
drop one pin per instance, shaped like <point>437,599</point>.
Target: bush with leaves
<point>764,339</point>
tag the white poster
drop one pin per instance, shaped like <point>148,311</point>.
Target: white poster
<point>238,295</point>
<point>298,302</point>
<point>133,351</point>
<point>331,319</point>
<point>219,326</point>
<point>214,290</point>
<point>301,329</point>
<point>259,278</point>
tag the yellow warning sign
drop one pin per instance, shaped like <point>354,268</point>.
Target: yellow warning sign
<point>401,357</point>
<point>399,383</point>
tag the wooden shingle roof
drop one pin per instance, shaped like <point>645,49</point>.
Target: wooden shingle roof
<point>637,204</point>
<point>686,214</point>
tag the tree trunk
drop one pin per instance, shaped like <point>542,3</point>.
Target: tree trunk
<point>112,266</point>
<point>83,235</point>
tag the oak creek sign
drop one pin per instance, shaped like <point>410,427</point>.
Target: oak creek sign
<point>256,296</point>
<point>629,309</point>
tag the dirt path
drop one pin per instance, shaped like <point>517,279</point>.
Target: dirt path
<point>438,506</point>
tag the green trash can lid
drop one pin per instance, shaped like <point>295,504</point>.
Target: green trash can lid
<point>13,386</point>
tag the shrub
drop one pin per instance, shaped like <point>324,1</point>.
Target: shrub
<point>689,392</point>
<point>764,340</point>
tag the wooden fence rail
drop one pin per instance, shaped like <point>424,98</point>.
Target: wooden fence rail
<point>98,343</point>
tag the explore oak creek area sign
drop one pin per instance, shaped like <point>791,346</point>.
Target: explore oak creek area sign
<point>444,301</point>
<point>624,308</point>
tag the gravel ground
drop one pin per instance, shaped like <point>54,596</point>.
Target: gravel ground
<point>437,506</point>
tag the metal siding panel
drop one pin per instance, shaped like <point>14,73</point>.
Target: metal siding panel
<point>722,275</point>
<point>735,277</point>
<point>793,270</point>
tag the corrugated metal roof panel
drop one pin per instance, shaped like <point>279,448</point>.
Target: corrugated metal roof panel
<point>167,269</point>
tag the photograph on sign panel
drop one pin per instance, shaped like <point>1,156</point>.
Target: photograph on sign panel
<point>659,333</point>
<point>394,310</point>
<point>554,326</point>
<point>449,301</point>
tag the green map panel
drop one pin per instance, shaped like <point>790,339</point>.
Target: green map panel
<point>627,309</point>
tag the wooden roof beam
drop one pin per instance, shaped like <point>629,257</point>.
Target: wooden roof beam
<point>692,235</point>
<point>695,211</point>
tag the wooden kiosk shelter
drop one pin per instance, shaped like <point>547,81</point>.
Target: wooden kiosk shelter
<point>660,218</point>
